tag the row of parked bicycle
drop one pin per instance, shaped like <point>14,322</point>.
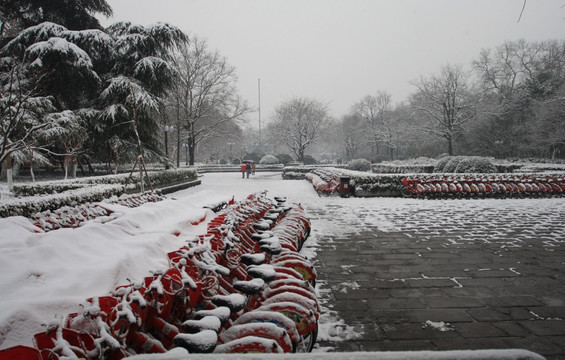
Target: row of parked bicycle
<point>328,183</point>
<point>241,287</point>
<point>75,216</point>
<point>500,186</point>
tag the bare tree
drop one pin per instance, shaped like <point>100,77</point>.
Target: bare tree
<point>298,123</point>
<point>350,135</point>
<point>377,113</point>
<point>447,101</point>
<point>205,95</point>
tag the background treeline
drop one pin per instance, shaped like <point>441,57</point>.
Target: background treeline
<point>510,103</point>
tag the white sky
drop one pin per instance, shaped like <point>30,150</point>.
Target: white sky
<point>338,51</point>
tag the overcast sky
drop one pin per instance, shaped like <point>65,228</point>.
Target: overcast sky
<point>338,51</point>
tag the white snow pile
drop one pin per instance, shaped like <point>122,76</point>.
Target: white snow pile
<point>438,325</point>
<point>45,275</point>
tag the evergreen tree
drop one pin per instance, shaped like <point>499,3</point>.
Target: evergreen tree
<point>72,14</point>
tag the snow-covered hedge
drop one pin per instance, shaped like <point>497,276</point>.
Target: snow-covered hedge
<point>37,197</point>
<point>296,172</point>
<point>359,165</point>
<point>269,160</point>
<point>475,164</point>
<point>465,164</point>
<point>158,179</point>
<point>31,205</point>
<point>369,184</point>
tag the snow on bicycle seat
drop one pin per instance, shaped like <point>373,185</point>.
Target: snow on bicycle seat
<point>221,312</point>
<point>234,302</point>
<point>262,235</point>
<point>250,287</point>
<point>263,225</point>
<point>265,272</point>
<point>252,259</point>
<point>271,216</point>
<point>271,246</point>
<point>206,323</point>
<point>201,342</point>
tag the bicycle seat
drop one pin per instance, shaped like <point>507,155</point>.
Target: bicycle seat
<point>252,259</point>
<point>271,246</point>
<point>265,272</point>
<point>263,225</point>
<point>221,312</point>
<point>205,323</point>
<point>262,235</point>
<point>202,342</point>
<point>251,287</point>
<point>234,302</point>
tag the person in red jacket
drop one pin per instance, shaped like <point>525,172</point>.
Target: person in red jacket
<point>243,168</point>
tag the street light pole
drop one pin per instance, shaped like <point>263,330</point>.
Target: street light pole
<point>259,96</point>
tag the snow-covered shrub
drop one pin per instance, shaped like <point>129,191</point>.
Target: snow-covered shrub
<point>285,158</point>
<point>475,164</point>
<point>441,163</point>
<point>296,172</point>
<point>309,160</point>
<point>269,160</point>
<point>359,165</point>
<point>465,164</point>
<point>452,164</point>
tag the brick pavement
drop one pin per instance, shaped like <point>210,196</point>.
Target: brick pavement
<point>395,288</point>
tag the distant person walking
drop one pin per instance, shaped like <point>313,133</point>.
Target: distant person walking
<point>253,168</point>
<point>248,169</point>
<point>243,169</point>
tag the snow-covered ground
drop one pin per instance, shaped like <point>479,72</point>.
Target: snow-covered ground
<point>48,275</point>
<point>45,275</point>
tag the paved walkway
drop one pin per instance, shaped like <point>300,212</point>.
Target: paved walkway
<point>444,277</point>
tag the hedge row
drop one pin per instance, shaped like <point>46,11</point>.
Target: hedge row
<point>158,179</point>
<point>38,197</point>
<point>31,205</point>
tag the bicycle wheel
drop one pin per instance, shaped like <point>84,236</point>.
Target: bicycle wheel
<point>308,341</point>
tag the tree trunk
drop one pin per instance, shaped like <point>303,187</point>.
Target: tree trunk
<point>74,167</point>
<point>9,169</point>
<point>178,134</point>
<point>31,166</point>
<point>191,144</point>
<point>66,166</point>
<point>301,156</point>
<point>191,151</point>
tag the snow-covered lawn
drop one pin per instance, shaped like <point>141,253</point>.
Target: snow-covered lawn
<point>45,275</point>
